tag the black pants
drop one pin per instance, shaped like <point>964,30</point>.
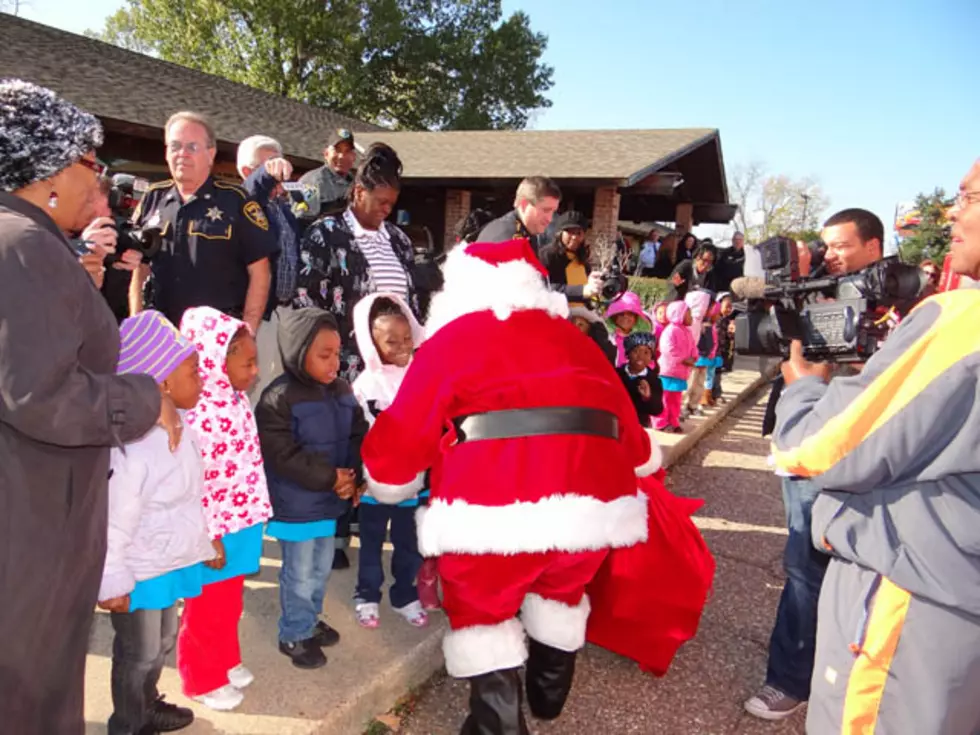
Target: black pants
<point>405,561</point>
<point>143,641</point>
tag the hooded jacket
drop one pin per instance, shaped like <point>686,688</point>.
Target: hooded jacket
<point>307,429</point>
<point>235,493</point>
<point>376,387</point>
<point>677,344</point>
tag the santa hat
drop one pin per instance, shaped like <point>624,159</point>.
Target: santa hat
<point>501,277</point>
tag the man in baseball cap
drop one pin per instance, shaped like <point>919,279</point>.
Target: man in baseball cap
<point>334,178</point>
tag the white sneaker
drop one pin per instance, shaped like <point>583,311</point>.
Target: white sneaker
<point>222,699</point>
<point>240,677</point>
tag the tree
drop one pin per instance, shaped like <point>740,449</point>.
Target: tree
<point>931,237</point>
<point>770,205</point>
<point>410,64</point>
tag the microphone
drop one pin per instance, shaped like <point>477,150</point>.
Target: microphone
<point>749,287</point>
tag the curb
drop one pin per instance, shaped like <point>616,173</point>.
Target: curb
<point>675,453</point>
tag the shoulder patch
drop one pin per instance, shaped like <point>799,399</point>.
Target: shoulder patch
<point>227,186</point>
<point>254,214</point>
<point>165,184</point>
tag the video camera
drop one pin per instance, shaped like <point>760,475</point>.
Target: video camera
<point>614,283</point>
<point>838,318</point>
<point>124,196</point>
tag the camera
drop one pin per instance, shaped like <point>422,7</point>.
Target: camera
<point>125,194</point>
<point>837,318</point>
<point>614,283</point>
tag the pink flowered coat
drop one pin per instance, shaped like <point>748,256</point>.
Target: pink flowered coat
<point>235,492</point>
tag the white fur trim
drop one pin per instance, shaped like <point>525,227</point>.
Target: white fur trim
<point>393,494</point>
<point>656,459</point>
<point>554,623</point>
<point>473,285</point>
<point>555,523</point>
<point>481,649</point>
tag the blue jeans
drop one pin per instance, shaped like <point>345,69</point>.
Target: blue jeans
<point>794,635</point>
<point>405,560</point>
<point>303,578</point>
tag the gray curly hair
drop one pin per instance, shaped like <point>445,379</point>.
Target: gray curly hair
<point>40,134</point>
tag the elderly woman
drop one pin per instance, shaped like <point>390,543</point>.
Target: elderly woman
<point>61,407</point>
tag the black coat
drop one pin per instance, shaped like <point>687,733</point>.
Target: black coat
<point>555,261</point>
<point>649,407</point>
<point>509,227</point>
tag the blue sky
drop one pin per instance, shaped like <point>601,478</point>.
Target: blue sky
<point>878,100</point>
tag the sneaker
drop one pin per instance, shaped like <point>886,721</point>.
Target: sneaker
<point>305,654</point>
<point>340,560</point>
<point>324,635</point>
<point>414,614</point>
<point>368,614</point>
<point>167,717</point>
<point>240,677</point>
<point>222,699</point>
<point>771,704</point>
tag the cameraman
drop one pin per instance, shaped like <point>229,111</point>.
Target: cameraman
<point>691,275</point>
<point>854,241</point>
<point>894,454</point>
<point>567,260</point>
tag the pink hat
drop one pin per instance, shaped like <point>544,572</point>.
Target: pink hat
<point>628,303</point>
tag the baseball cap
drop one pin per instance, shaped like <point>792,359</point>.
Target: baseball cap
<point>340,135</point>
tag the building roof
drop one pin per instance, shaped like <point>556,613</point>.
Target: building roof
<point>140,90</point>
<point>623,157</point>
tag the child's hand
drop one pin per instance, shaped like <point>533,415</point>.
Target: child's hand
<point>644,388</point>
<point>731,328</point>
<point>344,485</point>
<point>689,362</point>
<point>115,604</point>
<point>218,562</point>
<point>357,495</point>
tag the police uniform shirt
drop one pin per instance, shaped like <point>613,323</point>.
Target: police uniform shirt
<point>208,243</point>
<point>333,189</point>
<point>506,228</point>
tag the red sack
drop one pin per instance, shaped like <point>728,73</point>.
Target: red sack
<point>647,599</point>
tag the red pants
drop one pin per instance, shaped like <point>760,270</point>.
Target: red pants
<point>671,415</point>
<point>482,594</point>
<point>207,646</point>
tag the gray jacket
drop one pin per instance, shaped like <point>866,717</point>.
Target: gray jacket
<point>897,451</point>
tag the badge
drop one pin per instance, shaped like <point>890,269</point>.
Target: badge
<point>254,214</point>
<point>214,214</point>
<point>154,220</point>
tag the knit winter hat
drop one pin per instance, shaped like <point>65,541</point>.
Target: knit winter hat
<point>40,134</point>
<point>636,339</point>
<point>151,345</point>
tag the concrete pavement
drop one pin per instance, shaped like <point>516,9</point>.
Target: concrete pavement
<point>368,671</point>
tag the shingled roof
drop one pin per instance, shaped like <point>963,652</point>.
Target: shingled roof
<point>141,90</point>
<point>623,157</point>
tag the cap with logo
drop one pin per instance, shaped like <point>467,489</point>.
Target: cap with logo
<point>340,135</point>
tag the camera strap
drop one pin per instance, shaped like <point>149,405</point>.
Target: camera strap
<point>516,423</point>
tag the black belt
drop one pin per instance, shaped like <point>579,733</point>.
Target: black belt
<point>536,422</point>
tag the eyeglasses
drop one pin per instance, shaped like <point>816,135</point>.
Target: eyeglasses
<point>965,198</point>
<point>193,148</point>
<point>94,165</point>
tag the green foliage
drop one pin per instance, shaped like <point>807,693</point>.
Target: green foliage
<point>411,64</point>
<point>804,235</point>
<point>931,238</point>
<point>650,290</point>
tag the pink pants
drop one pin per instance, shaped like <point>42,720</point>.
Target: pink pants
<point>671,415</point>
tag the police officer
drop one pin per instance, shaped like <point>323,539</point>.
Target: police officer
<point>216,239</point>
<point>535,203</point>
<point>335,177</point>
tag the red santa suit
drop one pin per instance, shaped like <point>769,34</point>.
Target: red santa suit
<point>520,524</point>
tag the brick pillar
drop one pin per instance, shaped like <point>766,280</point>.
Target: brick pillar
<point>684,218</point>
<point>605,212</point>
<point>457,207</point>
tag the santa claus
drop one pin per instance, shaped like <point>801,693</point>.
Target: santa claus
<point>534,449</point>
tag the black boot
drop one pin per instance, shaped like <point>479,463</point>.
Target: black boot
<point>495,705</point>
<point>549,679</point>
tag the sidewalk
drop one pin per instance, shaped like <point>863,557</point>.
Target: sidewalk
<point>367,672</point>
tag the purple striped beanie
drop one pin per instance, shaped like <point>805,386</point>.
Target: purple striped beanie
<point>151,345</point>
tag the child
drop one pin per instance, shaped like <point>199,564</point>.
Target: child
<point>387,334</point>
<point>726,342</point>
<point>236,505</point>
<point>157,533</point>
<point>659,318</point>
<point>707,355</point>
<point>677,355</point>
<point>311,430</point>
<point>625,312</point>
<point>591,325</point>
<point>700,303</point>
<point>641,377</point>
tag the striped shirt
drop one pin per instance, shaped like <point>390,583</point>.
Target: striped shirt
<point>385,268</point>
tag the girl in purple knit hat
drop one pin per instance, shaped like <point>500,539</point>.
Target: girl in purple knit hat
<point>625,312</point>
<point>157,533</point>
